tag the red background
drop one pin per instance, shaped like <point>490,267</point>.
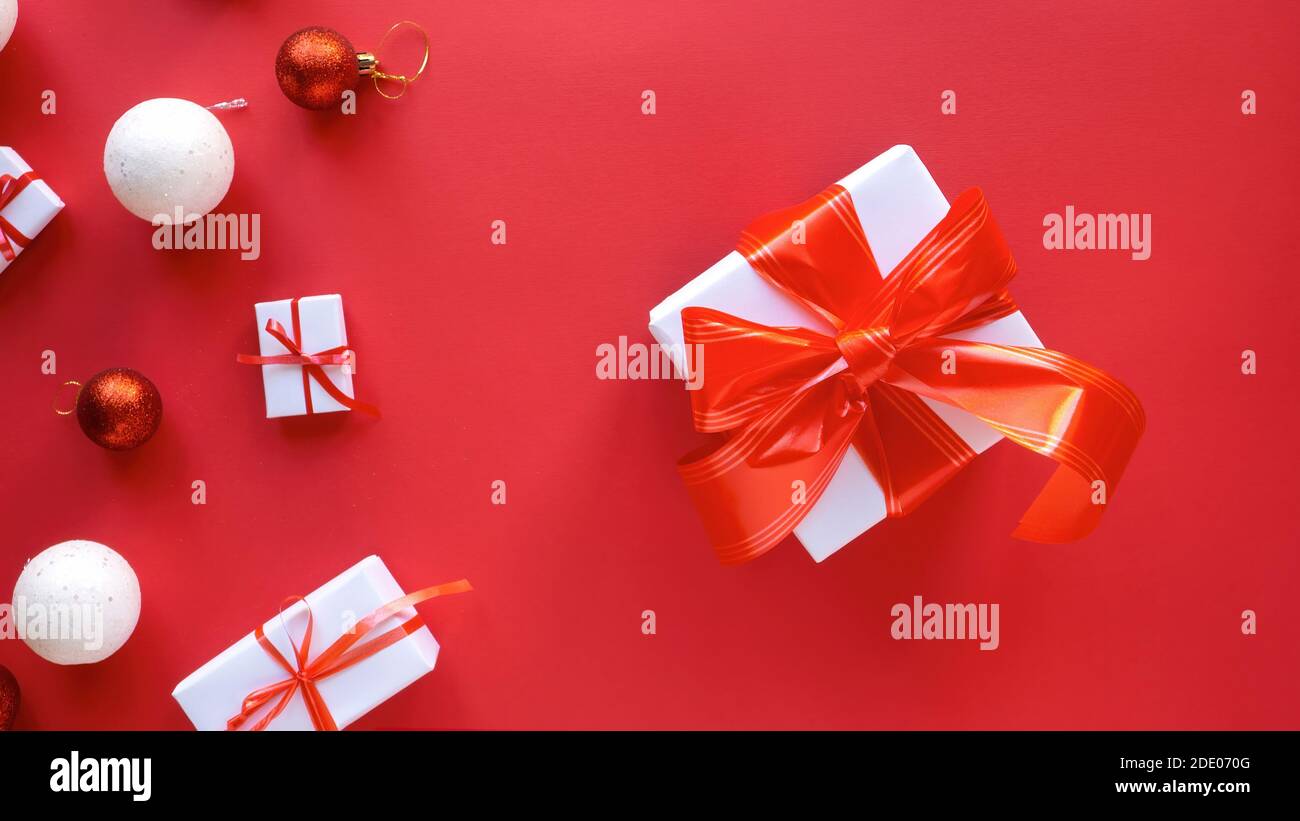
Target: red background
<point>483,357</point>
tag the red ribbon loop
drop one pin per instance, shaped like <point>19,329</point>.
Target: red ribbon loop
<point>788,421</point>
<point>10,188</point>
<point>311,363</point>
<point>342,654</point>
<point>868,352</point>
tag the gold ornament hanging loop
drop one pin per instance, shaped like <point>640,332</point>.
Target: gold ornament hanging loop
<point>73,409</point>
<point>378,75</point>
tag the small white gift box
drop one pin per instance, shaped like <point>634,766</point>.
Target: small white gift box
<point>316,324</point>
<point>27,205</point>
<point>214,693</point>
<point>898,203</point>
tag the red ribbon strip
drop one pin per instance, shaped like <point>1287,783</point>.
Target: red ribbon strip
<point>311,363</point>
<point>340,655</point>
<point>10,188</point>
<point>792,410</point>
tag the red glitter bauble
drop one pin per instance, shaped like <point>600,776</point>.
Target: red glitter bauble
<point>315,66</point>
<point>10,698</point>
<point>119,409</point>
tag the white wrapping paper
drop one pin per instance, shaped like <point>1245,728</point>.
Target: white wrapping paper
<point>213,694</point>
<point>898,203</point>
<point>322,328</point>
<point>31,210</point>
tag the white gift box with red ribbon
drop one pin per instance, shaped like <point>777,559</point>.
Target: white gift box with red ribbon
<point>316,324</point>
<point>27,205</point>
<point>212,695</point>
<point>898,203</point>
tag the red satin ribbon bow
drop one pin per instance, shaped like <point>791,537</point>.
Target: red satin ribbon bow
<point>311,363</point>
<point>792,409</point>
<point>10,188</point>
<point>340,655</point>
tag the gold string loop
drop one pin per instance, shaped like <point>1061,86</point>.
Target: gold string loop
<point>377,75</point>
<point>73,409</point>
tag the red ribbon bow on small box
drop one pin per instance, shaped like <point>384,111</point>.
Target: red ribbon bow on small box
<point>792,409</point>
<point>10,188</point>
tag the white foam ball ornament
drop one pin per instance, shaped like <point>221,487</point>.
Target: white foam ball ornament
<point>79,581</point>
<point>165,153</point>
<point>8,19</point>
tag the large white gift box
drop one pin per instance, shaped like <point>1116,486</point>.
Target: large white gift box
<point>215,692</point>
<point>318,326</point>
<point>26,211</point>
<point>898,203</point>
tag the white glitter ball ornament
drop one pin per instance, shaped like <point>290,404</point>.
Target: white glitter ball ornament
<point>168,153</point>
<point>79,601</point>
<point>8,19</point>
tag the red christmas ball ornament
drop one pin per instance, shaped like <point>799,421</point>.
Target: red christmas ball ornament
<point>316,65</point>
<point>10,698</point>
<point>118,409</point>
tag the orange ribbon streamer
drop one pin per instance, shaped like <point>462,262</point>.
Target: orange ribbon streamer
<point>10,188</point>
<point>340,655</point>
<point>791,409</point>
<point>311,363</point>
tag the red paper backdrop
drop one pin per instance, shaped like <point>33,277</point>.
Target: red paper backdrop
<point>483,357</point>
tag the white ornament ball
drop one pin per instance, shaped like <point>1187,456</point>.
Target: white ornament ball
<point>90,599</point>
<point>8,19</point>
<point>166,153</point>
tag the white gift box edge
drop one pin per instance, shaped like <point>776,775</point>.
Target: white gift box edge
<point>420,642</point>
<point>11,159</point>
<point>853,502</point>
